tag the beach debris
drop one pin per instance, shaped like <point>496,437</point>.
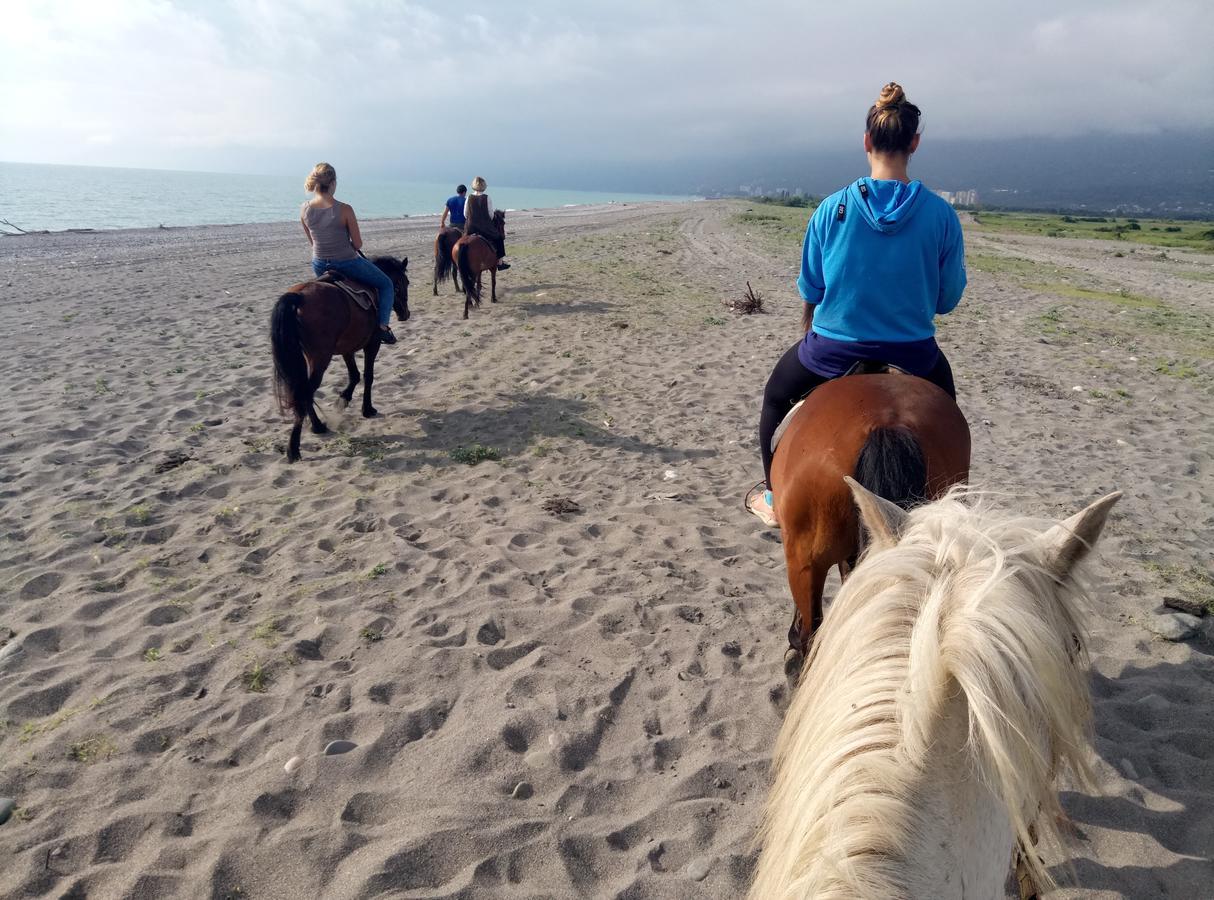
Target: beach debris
<point>560,506</point>
<point>522,791</point>
<point>670,475</point>
<point>1175,626</point>
<point>292,764</point>
<point>732,648</point>
<point>333,748</point>
<point>746,305</point>
<point>698,868</point>
<point>1184,605</point>
<point>7,805</point>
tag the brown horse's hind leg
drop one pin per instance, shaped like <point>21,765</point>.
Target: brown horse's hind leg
<point>318,427</point>
<point>493,285</point>
<point>352,367</point>
<point>371,350</point>
<point>293,442</point>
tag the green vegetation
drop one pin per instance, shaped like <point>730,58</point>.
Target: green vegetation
<point>780,228</point>
<point>379,570</point>
<point>1157,232</point>
<point>152,654</point>
<point>369,448</point>
<point>268,632</point>
<point>796,201</point>
<point>257,678</point>
<point>1189,581</point>
<point>370,635</point>
<point>474,454</point>
<point>92,749</point>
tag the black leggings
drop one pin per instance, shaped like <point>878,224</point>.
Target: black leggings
<point>790,382</point>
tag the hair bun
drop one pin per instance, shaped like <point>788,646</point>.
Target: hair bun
<point>891,95</point>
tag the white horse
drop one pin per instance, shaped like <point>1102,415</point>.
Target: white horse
<point>945,692</point>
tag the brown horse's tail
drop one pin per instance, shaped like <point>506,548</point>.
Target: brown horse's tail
<point>891,465</point>
<point>472,288</point>
<point>443,266</point>
<point>292,385</point>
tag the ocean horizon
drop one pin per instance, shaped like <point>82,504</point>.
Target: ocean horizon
<point>42,197</point>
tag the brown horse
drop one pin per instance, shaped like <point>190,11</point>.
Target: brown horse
<point>444,258</point>
<point>312,323</point>
<point>474,255</point>
<point>901,437</point>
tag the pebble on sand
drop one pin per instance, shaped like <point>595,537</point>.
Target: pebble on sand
<point>522,791</point>
<point>697,869</point>
<point>7,805</point>
<point>292,764</point>
<point>335,747</point>
<point>1174,626</point>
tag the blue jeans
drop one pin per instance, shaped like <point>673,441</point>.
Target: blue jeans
<point>368,273</point>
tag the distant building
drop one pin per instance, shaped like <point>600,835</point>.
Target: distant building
<point>960,198</point>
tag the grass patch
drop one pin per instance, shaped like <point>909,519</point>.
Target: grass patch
<point>370,635</point>
<point>369,448</point>
<point>152,654</point>
<point>1189,581</point>
<point>475,454</point>
<point>1154,232</point>
<point>379,570</point>
<point>780,228</point>
<point>257,678</point>
<point>1117,298</point>
<point>268,632</point>
<point>1176,368</point>
<point>91,750</point>
<point>139,515</point>
<point>994,264</point>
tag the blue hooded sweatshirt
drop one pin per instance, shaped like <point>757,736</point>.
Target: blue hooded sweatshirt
<point>880,273</point>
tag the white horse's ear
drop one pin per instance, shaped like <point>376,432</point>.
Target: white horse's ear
<point>881,519</point>
<point>1068,542</point>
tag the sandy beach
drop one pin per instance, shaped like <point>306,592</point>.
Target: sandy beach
<point>562,666</point>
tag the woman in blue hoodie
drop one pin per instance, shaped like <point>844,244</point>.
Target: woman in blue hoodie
<point>881,259</point>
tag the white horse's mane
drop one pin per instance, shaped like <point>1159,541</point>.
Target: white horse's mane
<point>963,605</point>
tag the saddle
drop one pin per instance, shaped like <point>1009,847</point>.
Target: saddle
<point>861,367</point>
<point>363,295</point>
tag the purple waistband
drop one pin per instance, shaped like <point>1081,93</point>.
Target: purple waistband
<point>830,358</point>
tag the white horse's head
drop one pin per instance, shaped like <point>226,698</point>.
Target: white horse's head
<point>945,693</point>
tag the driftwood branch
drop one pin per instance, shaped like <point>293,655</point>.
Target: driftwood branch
<point>748,303</point>
<point>16,228</point>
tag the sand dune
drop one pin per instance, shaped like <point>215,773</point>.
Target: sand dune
<point>561,668</point>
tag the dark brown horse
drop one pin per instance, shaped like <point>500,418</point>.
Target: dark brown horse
<point>312,323</point>
<point>444,258</point>
<point>900,436</point>
<point>473,255</point>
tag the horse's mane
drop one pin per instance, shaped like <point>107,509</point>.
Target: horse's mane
<point>961,603</point>
<point>389,265</point>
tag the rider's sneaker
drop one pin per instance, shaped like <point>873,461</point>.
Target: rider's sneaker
<point>386,336</point>
<point>758,502</point>
<point>503,265</point>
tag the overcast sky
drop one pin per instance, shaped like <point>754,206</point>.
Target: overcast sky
<point>415,89</point>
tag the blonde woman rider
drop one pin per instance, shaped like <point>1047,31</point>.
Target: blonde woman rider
<point>478,217</point>
<point>332,229</point>
<point>881,259</point>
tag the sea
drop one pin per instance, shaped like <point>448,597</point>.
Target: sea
<point>55,198</point>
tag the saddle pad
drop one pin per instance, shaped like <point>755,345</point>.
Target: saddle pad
<point>365,297</point>
<point>860,368</point>
<point>783,426</point>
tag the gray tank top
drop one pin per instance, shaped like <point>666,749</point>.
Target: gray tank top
<point>330,237</point>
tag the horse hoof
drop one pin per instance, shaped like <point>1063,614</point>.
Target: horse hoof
<point>320,428</point>
<point>343,402</point>
<point>793,660</point>
<point>370,412</point>
<point>292,457</point>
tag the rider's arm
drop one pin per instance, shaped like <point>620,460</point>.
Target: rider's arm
<point>489,206</point>
<point>304,222</point>
<point>442,223</point>
<point>952,268</point>
<point>356,238</point>
<point>811,284</point>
